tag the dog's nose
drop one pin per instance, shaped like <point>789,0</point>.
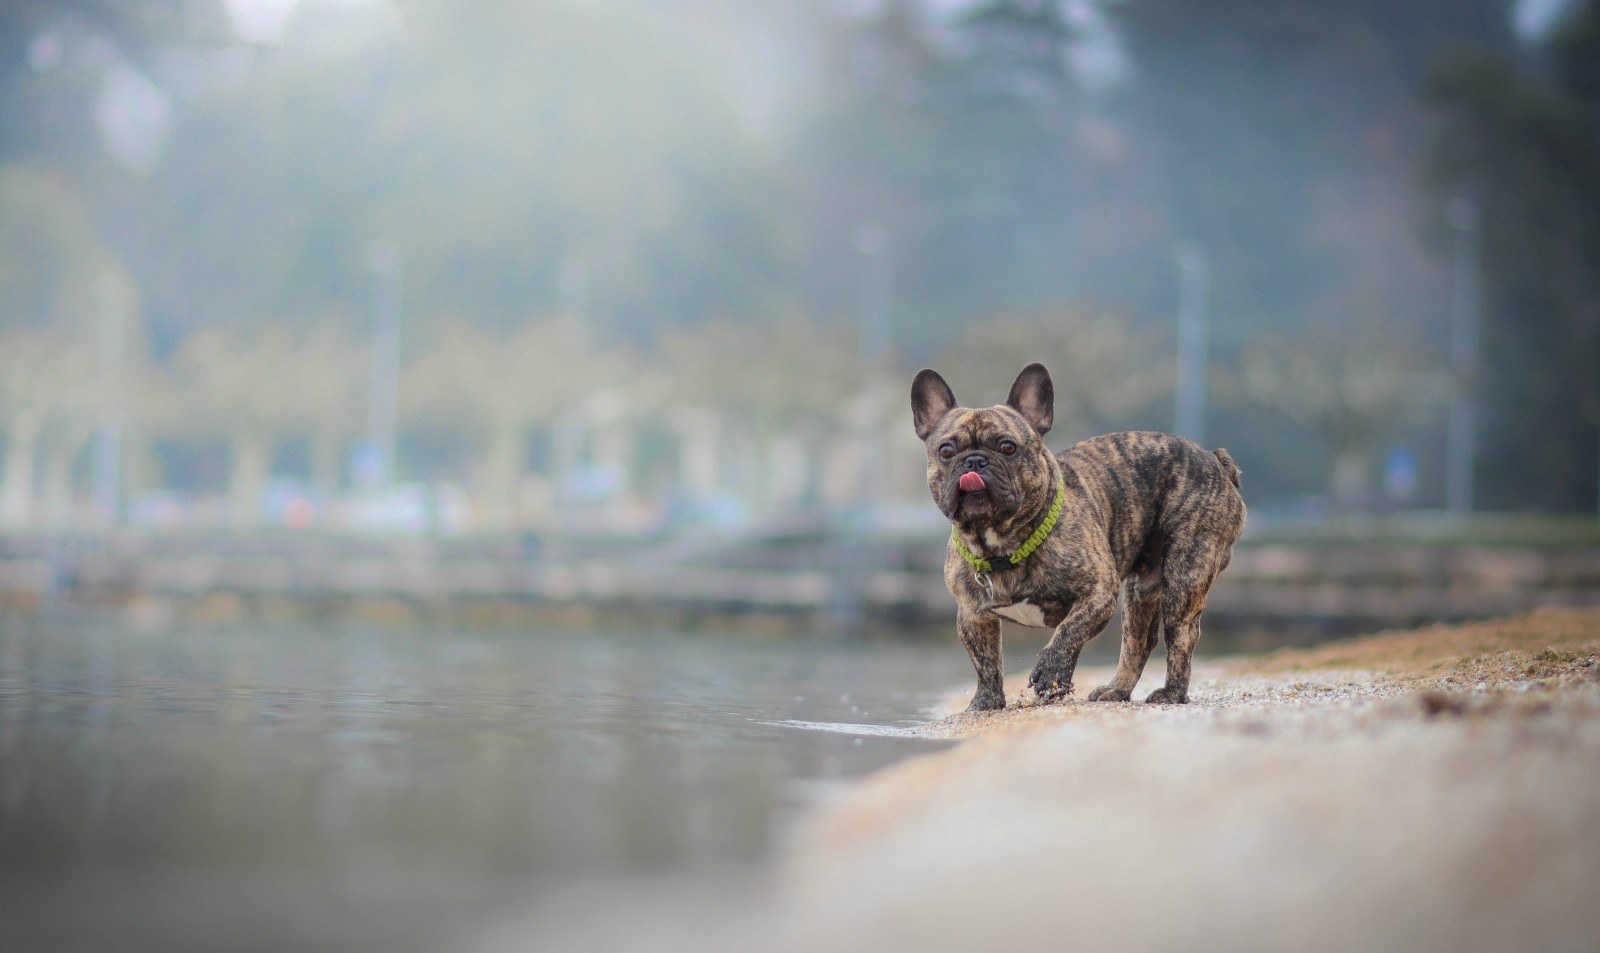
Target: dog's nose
<point>977,461</point>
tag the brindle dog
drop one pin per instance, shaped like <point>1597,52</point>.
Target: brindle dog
<point>1156,514</point>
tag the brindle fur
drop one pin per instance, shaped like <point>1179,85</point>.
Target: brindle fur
<point>1151,514</point>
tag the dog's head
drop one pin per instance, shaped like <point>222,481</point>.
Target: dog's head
<point>985,465</point>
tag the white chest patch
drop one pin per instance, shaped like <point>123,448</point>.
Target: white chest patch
<point>1022,613</point>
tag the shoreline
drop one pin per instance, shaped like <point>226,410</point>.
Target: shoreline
<point>1426,791</point>
<point>1436,658</point>
<point>1432,789</point>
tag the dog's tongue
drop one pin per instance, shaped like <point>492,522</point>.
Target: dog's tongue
<point>971,482</point>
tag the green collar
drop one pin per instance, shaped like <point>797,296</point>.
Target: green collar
<point>999,563</point>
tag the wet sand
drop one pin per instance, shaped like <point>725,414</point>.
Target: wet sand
<point>1417,791</point>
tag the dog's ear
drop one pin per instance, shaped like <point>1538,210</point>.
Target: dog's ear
<point>931,399</point>
<point>1034,397</point>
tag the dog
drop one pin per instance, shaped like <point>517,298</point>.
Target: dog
<point>1047,540</point>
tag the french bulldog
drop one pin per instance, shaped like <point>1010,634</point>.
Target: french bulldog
<point>1048,540</point>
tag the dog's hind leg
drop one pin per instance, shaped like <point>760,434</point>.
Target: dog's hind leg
<point>1186,577</point>
<point>1141,626</point>
<point>1180,619</point>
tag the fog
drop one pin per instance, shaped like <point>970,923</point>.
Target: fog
<point>629,267</point>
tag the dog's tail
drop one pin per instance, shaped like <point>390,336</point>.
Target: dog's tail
<point>1228,466</point>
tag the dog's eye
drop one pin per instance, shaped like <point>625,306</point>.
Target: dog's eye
<point>946,451</point>
<point>1007,447</point>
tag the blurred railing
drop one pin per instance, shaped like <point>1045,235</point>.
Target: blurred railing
<point>1295,588</point>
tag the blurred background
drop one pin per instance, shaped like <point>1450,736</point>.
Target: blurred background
<point>633,267</point>
<point>346,344</point>
<point>648,280</point>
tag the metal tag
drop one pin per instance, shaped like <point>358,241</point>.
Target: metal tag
<point>987,582</point>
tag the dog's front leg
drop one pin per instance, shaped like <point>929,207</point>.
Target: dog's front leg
<point>1051,678</point>
<point>980,633</point>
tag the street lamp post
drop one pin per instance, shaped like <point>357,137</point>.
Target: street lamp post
<point>107,460</point>
<point>1194,334</point>
<point>382,414</point>
<point>1461,432</point>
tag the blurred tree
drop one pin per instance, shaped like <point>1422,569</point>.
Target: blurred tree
<point>1354,390</point>
<point>64,200</point>
<point>331,390</point>
<point>1281,135</point>
<point>54,56</point>
<point>600,159</point>
<point>61,289</point>
<point>777,393</point>
<point>497,387</point>
<point>965,141</point>
<point>1284,133</point>
<point>254,390</point>
<point>47,402</point>
<point>1021,46</point>
<point>1522,140</point>
<point>51,258</point>
<point>785,379</point>
<point>541,157</point>
<point>1103,372</point>
<point>1572,48</point>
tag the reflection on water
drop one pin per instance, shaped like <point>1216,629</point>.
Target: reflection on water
<point>410,776</point>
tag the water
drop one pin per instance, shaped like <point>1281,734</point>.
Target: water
<point>345,787</point>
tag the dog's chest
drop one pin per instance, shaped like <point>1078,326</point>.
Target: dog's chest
<point>1022,613</point>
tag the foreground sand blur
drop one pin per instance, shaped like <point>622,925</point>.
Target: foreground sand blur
<point>1434,790</point>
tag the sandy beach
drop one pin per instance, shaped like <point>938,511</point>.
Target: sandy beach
<point>1428,790</point>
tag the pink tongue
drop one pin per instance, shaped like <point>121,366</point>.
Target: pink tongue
<point>971,482</point>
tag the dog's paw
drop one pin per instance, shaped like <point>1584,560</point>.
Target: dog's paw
<point>1105,693</point>
<point>1048,684</point>
<point>1167,696</point>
